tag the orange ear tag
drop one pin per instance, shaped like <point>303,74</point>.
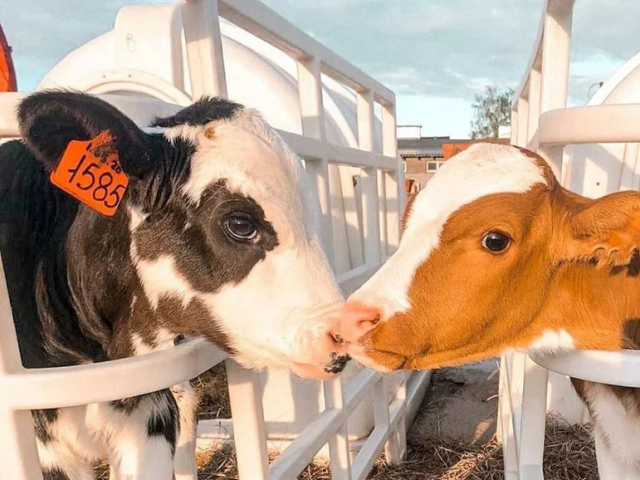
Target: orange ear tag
<point>90,171</point>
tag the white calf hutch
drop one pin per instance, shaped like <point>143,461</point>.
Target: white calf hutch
<point>342,123</point>
<point>593,151</point>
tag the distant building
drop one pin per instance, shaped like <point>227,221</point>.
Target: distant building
<point>423,156</point>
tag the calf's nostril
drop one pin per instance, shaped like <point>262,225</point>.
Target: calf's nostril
<point>365,326</point>
<point>358,319</point>
<point>336,338</point>
<point>372,322</point>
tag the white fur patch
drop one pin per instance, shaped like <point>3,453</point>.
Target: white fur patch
<point>137,217</point>
<point>187,400</point>
<point>254,161</point>
<point>185,461</point>
<point>621,428</point>
<point>83,435</point>
<point>55,455</point>
<point>74,447</point>
<point>145,459</point>
<point>481,170</point>
<point>133,454</point>
<point>160,277</point>
<point>184,131</point>
<point>553,341</point>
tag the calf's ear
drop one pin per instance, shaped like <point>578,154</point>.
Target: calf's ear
<point>50,120</point>
<point>606,230</point>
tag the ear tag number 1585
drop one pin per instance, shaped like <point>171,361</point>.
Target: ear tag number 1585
<point>90,171</point>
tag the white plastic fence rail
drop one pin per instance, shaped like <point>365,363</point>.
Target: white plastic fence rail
<point>542,123</point>
<point>382,198</point>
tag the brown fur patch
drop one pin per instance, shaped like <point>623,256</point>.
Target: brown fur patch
<point>469,304</point>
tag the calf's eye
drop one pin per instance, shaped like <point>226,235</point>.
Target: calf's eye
<point>495,242</point>
<point>241,227</point>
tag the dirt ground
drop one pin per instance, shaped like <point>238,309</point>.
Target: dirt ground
<point>461,405</point>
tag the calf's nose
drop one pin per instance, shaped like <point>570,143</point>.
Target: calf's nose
<point>357,319</point>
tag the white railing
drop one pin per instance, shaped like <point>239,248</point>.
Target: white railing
<point>542,123</point>
<point>382,199</point>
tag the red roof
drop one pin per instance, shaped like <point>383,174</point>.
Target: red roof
<point>450,149</point>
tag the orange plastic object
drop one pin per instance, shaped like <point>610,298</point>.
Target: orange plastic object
<point>8,82</point>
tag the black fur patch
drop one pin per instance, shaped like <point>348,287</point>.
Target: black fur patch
<point>164,418</point>
<point>41,420</point>
<point>204,256</point>
<point>50,120</point>
<point>55,474</point>
<point>35,219</point>
<point>197,318</point>
<point>172,168</point>
<point>631,334</point>
<point>205,110</point>
<point>632,269</point>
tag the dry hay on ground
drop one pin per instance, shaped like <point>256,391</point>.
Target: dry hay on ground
<point>213,391</point>
<point>219,464</point>
<point>569,455</point>
<point>569,451</point>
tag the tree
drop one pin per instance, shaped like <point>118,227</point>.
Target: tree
<point>492,109</point>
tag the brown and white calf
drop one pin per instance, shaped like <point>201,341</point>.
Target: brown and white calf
<point>496,255</point>
<point>215,237</point>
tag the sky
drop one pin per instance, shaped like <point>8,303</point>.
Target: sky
<point>435,54</point>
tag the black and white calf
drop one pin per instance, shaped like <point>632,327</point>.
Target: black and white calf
<point>215,238</point>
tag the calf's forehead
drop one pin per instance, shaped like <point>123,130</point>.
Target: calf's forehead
<point>479,171</point>
<point>482,169</point>
<point>252,160</point>
<point>244,151</point>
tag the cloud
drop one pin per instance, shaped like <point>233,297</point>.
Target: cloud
<point>437,54</point>
<point>436,47</point>
<point>431,52</point>
<point>454,48</point>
